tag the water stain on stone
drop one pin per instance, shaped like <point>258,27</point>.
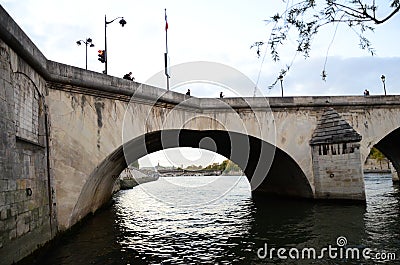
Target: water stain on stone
<point>99,106</point>
<point>83,102</point>
<point>74,101</point>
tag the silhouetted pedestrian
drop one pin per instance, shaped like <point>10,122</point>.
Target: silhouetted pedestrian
<point>188,92</point>
<point>221,95</point>
<point>129,76</point>
<point>366,92</point>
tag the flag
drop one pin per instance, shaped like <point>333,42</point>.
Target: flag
<point>166,22</point>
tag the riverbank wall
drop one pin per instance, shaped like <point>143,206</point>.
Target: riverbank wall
<point>132,177</point>
<point>377,166</point>
<point>383,166</point>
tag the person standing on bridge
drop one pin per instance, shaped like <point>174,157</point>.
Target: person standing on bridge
<point>188,92</point>
<point>221,95</point>
<point>129,76</point>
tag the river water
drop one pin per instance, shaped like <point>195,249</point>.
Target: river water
<point>214,220</point>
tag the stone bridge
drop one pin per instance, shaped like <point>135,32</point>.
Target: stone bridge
<point>67,133</point>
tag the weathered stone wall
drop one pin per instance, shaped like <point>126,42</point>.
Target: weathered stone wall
<point>338,172</point>
<point>25,221</point>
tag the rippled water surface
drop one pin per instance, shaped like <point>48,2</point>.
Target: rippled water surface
<point>189,222</point>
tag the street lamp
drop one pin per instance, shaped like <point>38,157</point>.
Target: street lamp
<point>281,79</point>
<point>87,42</point>
<point>122,22</point>
<point>384,84</point>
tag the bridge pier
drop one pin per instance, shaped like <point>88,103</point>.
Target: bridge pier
<point>395,174</point>
<point>336,159</point>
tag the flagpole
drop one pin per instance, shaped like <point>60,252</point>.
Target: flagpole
<point>166,49</point>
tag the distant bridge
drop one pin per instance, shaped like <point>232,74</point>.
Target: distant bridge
<point>181,172</point>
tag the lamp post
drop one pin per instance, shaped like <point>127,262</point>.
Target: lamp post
<point>281,79</point>
<point>122,22</point>
<point>87,42</point>
<point>383,78</point>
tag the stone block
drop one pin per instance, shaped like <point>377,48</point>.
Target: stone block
<point>2,198</point>
<point>21,184</point>
<point>35,214</point>
<point>12,234</point>
<point>40,212</point>
<point>33,225</point>
<point>14,210</point>
<point>34,219</point>
<point>3,185</point>
<point>2,90</point>
<point>17,173</point>
<point>30,205</point>
<point>21,207</point>
<point>12,185</point>
<point>22,225</point>
<point>3,213</point>
<point>10,224</point>
<point>10,199</point>
<point>9,213</point>
<point>20,196</point>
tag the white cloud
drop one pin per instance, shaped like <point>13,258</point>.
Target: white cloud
<point>346,76</point>
<point>179,157</point>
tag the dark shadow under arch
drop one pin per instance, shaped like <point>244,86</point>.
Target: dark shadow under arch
<point>390,147</point>
<point>281,175</point>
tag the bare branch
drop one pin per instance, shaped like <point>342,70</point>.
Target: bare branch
<point>306,18</point>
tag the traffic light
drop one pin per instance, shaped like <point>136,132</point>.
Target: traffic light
<point>102,56</point>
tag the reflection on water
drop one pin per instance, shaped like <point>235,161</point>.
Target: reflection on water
<point>196,233</point>
<point>141,229</point>
<point>382,218</point>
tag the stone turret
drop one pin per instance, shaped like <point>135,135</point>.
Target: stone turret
<point>336,159</point>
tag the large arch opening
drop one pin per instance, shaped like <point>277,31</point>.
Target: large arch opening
<point>280,177</point>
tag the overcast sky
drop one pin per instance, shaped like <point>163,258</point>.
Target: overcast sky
<point>217,31</point>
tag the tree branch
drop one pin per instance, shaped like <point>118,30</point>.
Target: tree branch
<point>377,21</point>
<point>365,14</point>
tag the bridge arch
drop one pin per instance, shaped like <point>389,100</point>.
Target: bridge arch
<point>283,176</point>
